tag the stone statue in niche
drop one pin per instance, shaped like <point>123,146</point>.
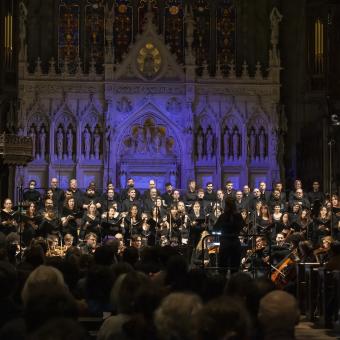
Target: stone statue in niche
<point>148,139</point>
<point>149,65</point>
<point>262,144</point>
<point>200,150</point>
<point>69,139</point>
<point>252,144</point>
<point>236,144</point>
<point>96,143</point>
<point>124,105</point>
<point>60,143</point>
<point>42,142</point>
<point>33,135</point>
<point>87,143</point>
<point>210,145</point>
<point>139,141</point>
<point>174,105</point>
<point>109,20</point>
<point>226,141</point>
<point>157,142</point>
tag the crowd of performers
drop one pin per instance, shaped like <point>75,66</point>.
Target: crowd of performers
<point>253,230</point>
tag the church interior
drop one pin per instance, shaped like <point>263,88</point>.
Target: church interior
<point>169,169</point>
<point>172,90</point>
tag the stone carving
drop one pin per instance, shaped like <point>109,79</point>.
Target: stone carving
<point>69,139</point>
<point>275,19</point>
<point>60,143</point>
<point>96,144</point>
<point>109,20</point>
<point>33,135</point>
<point>22,23</point>
<point>42,142</point>
<point>236,145</point>
<point>210,144</point>
<point>157,142</point>
<point>262,144</point>
<point>200,150</point>
<point>174,105</point>
<point>87,143</point>
<point>124,105</point>
<point>252,144</point>
<point>226,143</point>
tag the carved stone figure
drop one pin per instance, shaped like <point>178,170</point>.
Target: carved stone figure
<point>87,143</point>
<point>109,20</point>
<point>42,142</point>
<point>275,19</point>
<point>226,141</point>
<point>33,135</point>
<point>22,22</point>
<point>200,150</point>
<point>157,142</point>
<point>173,105</point>
<point>148,139</point>
<point>69,139</point>
<point>236,144</point>
<point>210,146</point>
<point>262,144</point>
<point>124,105</point>
<point>252,144</point>
<point>139,141</point>
<point>60,143</point>
<point>96,144</point>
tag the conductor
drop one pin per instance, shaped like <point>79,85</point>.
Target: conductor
<point>229,224</point>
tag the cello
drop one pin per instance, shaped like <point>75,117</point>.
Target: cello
<point>285,272</point>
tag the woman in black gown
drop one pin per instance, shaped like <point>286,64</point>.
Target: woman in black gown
<point>229,224</point>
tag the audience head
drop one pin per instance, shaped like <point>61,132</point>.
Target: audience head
<point>278,313</point>
<point>173,317</point>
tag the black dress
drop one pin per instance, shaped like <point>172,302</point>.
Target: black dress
<point>229,225</point>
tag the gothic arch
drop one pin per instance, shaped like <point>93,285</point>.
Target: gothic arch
<point>148,112</point>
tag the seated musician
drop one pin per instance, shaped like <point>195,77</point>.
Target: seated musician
<point>112,222</point>
<point>322,253</point>
<point>91,222</point>
<point>200,256</point>
<point>71,218</point>
<point>8,217</point>
<point>89,245</point>
<point>279,250</point>
<point>53,248</point>
<point>31,221</point>
<point>257,259</point>
<point>68,241</point>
